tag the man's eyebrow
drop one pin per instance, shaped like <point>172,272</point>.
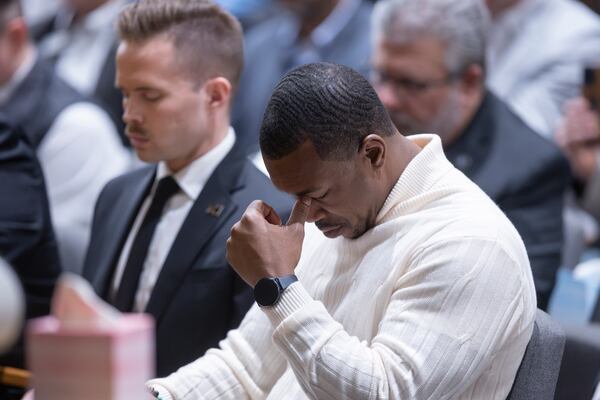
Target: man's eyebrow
<point>145,89</point>
<point>305,192</point>
<point>138,89</point>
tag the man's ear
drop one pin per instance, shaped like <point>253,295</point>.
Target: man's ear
<point>373,148</point>
<point>218,92</point>
<point>472,79</point>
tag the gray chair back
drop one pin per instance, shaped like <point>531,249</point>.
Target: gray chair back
<point>580,369</point>
<point>538,372</point>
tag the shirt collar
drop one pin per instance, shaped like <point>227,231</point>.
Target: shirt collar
<point>7,90</point>
<point>424,171</point>
<point>193,178</point>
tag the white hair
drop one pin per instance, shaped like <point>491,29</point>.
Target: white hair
<point>460,24</point>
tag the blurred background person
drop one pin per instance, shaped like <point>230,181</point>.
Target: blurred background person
<point>36,11</point>
<point>249,12</point>
<point>302,32</point>
<point>74,139</point>
<point>429,71</point>
<point>536,54</point>
<point>80,40</point>
<point>579,137</point>
<point>26,236</point>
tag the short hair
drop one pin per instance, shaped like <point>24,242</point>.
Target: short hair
<point>461,24</point>
<point>331,105</point>
<point>208,40</point>
<point>9,9</point>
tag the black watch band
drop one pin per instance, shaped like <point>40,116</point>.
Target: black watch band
<point>267,291</point>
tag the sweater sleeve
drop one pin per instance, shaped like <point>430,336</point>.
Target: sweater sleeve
<point>447,319</point>
<point>245,366</point>
<point>463,304</point>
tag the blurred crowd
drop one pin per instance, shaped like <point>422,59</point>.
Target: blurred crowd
<point>513,94</point>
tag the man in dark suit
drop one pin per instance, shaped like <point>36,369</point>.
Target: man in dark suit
<point>429,70</point>
<point>159,233</point>
<point>26,236</point>
<point>67,131</point>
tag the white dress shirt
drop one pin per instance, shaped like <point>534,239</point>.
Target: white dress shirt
<point>536,54</point>
<point>79,154</point>
<point>191,180</point>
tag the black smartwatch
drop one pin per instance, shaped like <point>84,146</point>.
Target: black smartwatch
<point>267,291</point>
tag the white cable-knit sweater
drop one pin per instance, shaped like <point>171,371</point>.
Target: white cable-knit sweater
<point>435,302</point>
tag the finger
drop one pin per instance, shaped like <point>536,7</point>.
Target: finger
<point>271,215</point>
<point>268,212</point>
<point>300,211</point>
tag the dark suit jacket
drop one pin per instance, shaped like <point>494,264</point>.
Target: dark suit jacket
<point>197,297</point>
<point>26,235</point>
<point>526,175</point>
<point>38,100</point>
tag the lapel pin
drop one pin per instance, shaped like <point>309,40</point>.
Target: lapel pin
<point>215,210</point>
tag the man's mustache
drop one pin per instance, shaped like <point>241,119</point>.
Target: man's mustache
<point>135,130</point>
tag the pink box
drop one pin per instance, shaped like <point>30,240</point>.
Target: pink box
<point>99,363</point>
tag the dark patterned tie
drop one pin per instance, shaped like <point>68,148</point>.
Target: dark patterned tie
<point>130,280</point>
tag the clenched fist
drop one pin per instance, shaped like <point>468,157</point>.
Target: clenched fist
<point>260,246</point>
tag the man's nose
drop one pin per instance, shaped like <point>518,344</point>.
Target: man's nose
<point>130,113</point>
<point>315,213</point>
<point>390,97</point>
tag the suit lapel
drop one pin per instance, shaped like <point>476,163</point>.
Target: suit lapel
<point>211,209</point>
<point>118,225</point>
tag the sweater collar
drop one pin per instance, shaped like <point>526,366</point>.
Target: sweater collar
<point>426,169</point>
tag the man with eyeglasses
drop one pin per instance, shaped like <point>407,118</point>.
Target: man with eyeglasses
<point>429,72</point>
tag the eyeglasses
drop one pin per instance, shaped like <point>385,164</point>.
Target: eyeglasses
<point>408,85</point>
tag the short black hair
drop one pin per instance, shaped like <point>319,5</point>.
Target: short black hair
<point>330,104</point>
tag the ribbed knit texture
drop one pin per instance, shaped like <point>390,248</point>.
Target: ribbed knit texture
<point>435,302</point>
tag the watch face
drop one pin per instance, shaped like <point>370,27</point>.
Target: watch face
<point>266,292</point>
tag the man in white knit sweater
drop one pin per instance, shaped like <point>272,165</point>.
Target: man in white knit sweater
<point>418,286</point>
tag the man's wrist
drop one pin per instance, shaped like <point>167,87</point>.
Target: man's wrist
<point>268,291</point>
<point>293,299</point>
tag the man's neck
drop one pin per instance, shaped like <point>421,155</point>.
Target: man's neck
<point>400,152</point>
<point>220,129</point>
